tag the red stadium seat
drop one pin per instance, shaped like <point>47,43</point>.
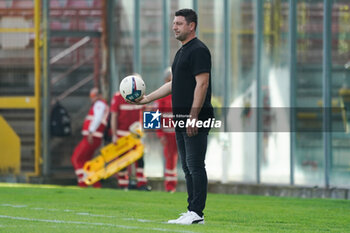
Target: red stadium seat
<point>77,3</point>
<point>55,25</point>
<point>5,4</point>
<point>58,3</point>
<point>92,24</point>
<point>97,4</point>
<point>54,4</point>
<point>23,4</point>
<point>77,24</point>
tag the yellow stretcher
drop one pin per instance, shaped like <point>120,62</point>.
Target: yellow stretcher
<point>114,157</point>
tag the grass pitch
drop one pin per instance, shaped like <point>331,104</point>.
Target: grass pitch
<point>41,208</point>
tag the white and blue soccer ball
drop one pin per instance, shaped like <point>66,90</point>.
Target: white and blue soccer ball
<point>132,87</point>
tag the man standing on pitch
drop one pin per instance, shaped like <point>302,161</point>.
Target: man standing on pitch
<point>191,100</point>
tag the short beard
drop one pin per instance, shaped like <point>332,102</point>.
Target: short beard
<point>182,37</point>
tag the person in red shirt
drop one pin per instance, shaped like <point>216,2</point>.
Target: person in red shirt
<point>123,115</point>
<point>168,140</point>
<point>93,127</point>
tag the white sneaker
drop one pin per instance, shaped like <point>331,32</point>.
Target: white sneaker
<point>174,221</point>
<point>190,218</point>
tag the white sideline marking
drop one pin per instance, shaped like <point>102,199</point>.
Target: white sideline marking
<point>90,223</point>
<point>14,206</point>
<point>81,213</point>
<point>66,210</point>
<point>95,215</point>
<point>138,220</point>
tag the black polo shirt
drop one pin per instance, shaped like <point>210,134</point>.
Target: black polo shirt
<point>191,59</point>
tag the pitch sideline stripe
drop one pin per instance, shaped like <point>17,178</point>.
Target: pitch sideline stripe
<point>90,223</point>
<point>76,212</point>
<point>57,210</point>
<point>14,206</point>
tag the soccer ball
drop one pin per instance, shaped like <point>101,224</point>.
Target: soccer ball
<point>132,87</point>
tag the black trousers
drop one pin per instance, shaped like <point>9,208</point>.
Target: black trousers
<point>192,154</point>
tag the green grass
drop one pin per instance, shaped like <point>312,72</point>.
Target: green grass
<point>40,208</point>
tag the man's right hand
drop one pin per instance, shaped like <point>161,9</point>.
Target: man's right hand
<point>143,100</point>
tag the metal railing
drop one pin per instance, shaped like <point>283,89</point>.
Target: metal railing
<point>30,102</point>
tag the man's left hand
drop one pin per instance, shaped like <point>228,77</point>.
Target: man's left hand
<point>192,130</point>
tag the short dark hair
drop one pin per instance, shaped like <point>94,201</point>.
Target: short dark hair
<point>190,16</point>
